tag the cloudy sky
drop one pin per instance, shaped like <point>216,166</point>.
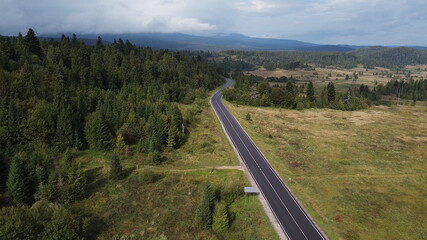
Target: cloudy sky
<point>367,22</point>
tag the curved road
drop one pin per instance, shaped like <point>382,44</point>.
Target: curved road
<point>293,220</point>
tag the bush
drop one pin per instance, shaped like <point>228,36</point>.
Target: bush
<point>149,177</point>
<point>300,106</point>
<point>155,157</point>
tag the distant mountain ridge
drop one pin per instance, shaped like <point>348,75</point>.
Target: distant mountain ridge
<point>219,42</point>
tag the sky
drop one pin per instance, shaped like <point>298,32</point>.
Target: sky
<point>358,22</point>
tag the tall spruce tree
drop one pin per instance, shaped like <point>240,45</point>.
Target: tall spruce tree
<point>331,92</point>
<point>204,212</point>
<point>116,170</point>
<point>32,43</point>
<point>310,92</point>
<point>221,219</point>
<point>76,185</point>
<point>120,144</point>
<point>18,183</point>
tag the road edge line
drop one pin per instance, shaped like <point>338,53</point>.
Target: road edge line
<point>286,185</point>
<point>267,209</point>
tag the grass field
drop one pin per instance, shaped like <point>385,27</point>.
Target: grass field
<point>361,174</point>
<point>159,202</point>
<point>322,76</point>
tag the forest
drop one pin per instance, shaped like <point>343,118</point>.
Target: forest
<point>371,56</point>
<point>257,91</point>
<point>61,95</point>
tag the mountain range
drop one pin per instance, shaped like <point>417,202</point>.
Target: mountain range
<point>219,42</point>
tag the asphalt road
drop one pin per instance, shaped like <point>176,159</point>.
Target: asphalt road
<point>293,220</point>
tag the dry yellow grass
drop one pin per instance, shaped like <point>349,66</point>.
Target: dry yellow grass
<point>361,174</point>
<point>321,76</point>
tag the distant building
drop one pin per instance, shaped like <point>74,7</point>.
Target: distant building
<point>251,190</point>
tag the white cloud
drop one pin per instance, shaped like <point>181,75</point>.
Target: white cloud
<point>178,24</point>
<point>320,21</point>
<point>259,6</point>
<point>101,16</point>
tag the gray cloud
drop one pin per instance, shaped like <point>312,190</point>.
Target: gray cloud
<point>327,21</point>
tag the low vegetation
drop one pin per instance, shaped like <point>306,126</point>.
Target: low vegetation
<point>360,174</point>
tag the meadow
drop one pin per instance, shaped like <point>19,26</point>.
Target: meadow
<point>356,76</point>
<point>360,174</point>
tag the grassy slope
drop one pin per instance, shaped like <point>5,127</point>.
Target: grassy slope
<point>165,208</point>
<point>362,175</point>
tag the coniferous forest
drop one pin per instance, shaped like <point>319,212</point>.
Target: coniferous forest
<point>59,95</point>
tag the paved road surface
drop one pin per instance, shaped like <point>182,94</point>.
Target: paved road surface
<point>293,220</point>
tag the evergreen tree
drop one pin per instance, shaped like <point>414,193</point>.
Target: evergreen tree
<point>18,223</point>
<point>171,138</point>
<point>310,92</point>
<point>97,132</point>
<point>78,144</point>
<point>331,92</point>
<point>116,171</point>
<point>120,144</point>
<point>3,171</point>
<point>221,219</point>
<point>64,133</point>
<point>76,185</point>
<point>204,212</point>
<point>156,157</point>
<point>18,183</point>
<point>48,191</point>
<point>64,225</point>
<point>32,43</point>
<point>67,159</point>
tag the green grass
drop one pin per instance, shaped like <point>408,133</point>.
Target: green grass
<point>159,202</point>
<point>361,175</point>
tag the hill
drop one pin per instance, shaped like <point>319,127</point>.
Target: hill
<point>390,57</point>
<point>180,41</point>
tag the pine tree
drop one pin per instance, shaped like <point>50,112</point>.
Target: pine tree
<point>221,219</point>
<point>76,185</point>
<point>77,141</point>
<point>310,92</point>
<point>171,139</point>
<point>18,183</point>
<point>156,157</point>
<point>204,212</point>
<point>48,191</point>
<point>67,159</point>
<point>64,132</point>
<point>116,171</point>
<point>120,144</point>
<point>3,171</point>
<point>331,92</point>
<point>32,43</point>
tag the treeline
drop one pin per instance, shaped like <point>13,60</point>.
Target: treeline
<point>369,57</point>
<point>412,89</point>
<point>395,57</point>
<point>58,95</point>
<point>255,91</point>
<point>294,59</point>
